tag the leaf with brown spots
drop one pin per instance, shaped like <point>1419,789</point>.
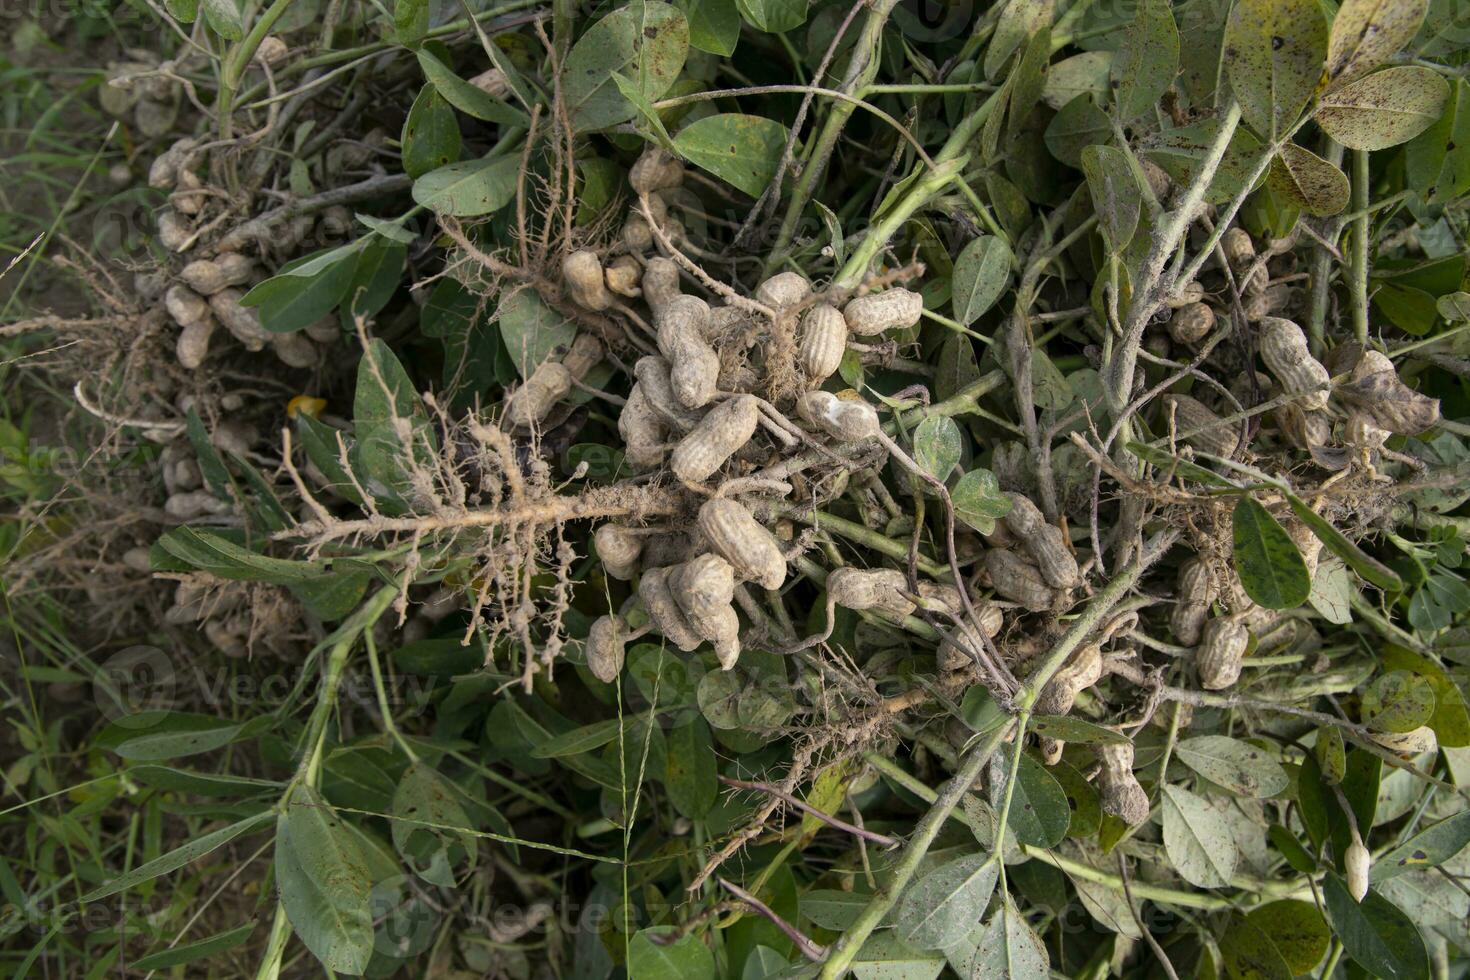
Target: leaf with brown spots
<point>1384,109</point>
<point>1274,53</point>
<point>1366,33</point>
<point>1308,181</point>
<point>647,41</point>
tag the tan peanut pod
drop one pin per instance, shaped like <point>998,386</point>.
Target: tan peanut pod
<point>193,503</point>
<point>624,276</point>
<point>664,612</point>
<point>1082,670</point>
<point>1408,744</point>
<point>782,290</point>
<point>877,312</point>
<point>1191,322</point>
<point>187,199</point>
<point>702,587</point>
<point>546,386</point>
<point>642,432</point>
<point>243,322</point>
<point>655,170</point>
<point>1024,518</point>
<point>870,588</point>
<point>723,430</point>
<point>1048,548</point>
<point>1221,652</point>
<point>1260,303</point>
<point>678,320</point>
<point>606,648</point>
<point>1239,250</point>
<point>652,373</point>
<point>294,350</point>
<point>231,436</point>
<point>822,343</point>
<point>225,640</point>
<point>741,540</point>
<point>582,273</point>
<point>695,374</point>
<point>325,330</point>
<point>1122,796</point>
<point>185,306</point>
<point>193,343</point>
<point>957,649</point>
<point>492,81</point>
<point>637,236</point>
<point>1159,181</point>
<point>1375,389</point>
<point>1304,430</point>
<point>845,419</point>
<point>174,230</point>
<point>1284,351</point>
<point>1362,433</point>
<point>1195,592</point>
<point>660,282</point>
<point>163,173</point>
<point>1191,293</point>
<point>582,356</point>
<point>726,641</point>
<point>1018,580</point>
<point>1200,427</point>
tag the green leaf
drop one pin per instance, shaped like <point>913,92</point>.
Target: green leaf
<point>1308,181</point>
<point>1430,848</point>
<point>980,276</point>
<point>579,740</point>
<point>177,735</point>
<point>325,886</point>
<point>646,40</point>
<point>691,775</point>
<point>1274,53</point>
<point>532,331</point>
<point>1383,109</point>
<point>686,958</point>
<point>431,137</point>
<point>1145,65</point>
<point>1296,855</point>
<point>1366,33</point>
<point>1375,934</point>
<point>1398,701</point>
<point>714,25</point>
<point>646,111</point>
<point>376,276</point>
<point>1170,463</point>
<point>1451,718</point>
<point>1248,951</point>
<point>466,97</point>
<point>434,852</point>
<point>1237,766</point>
<point>742,150</point>
<point>469,188</point>
<point>1078,125</point>
<point>410,21</point>
<point>1197,839</point>
<point>219,556</point>
<point>1332,589</point>
<point>1331,754</point>
<point>191,850</point>
<point>1358,560</point>
<point>212,946</point>
<point>303,292</point>
<point>223,17</point>
<point>1115,193</point>
<point>1069,728</point>
<point>1039,812</point>
<point>773,16</point>
<point>1009,948</point>
<point>938,909</point>
<point>1081,74</point>
<point>1269,566</point>
<point>978,500</point>
<point>938,445</point>
<point>1296,929</point>
<point>172,780</point>
<point>1018,21</point>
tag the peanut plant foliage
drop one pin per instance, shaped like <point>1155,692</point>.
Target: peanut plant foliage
<point>767,488</point>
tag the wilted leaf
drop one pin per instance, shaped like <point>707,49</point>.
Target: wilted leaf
<point>1308,181</point>
<point>1233,764</point>
<point>938,909</point>
<point>1197,839</point>
<point>1383,109</point>
<point>1367,33</point>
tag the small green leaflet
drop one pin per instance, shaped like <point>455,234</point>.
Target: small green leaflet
<point>1269,565</point>
<point>742,150</point>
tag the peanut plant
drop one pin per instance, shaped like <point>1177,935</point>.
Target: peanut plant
<point>806,492</point>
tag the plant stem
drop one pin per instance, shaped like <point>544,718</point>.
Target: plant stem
<point>1358,267</point>
<point>238,60</point>
<point>1322,265</point>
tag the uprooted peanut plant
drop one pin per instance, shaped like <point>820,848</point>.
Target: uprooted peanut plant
<point>766,490</point>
